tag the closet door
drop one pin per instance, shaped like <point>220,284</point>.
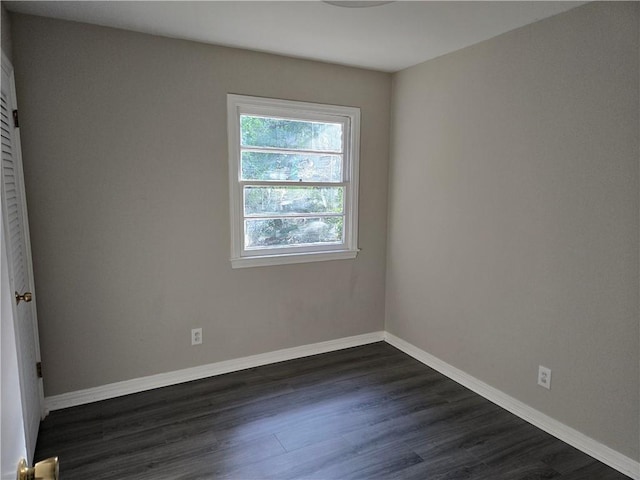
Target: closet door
<point>18,249</point>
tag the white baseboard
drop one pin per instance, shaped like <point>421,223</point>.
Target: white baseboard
<point>112,390</point>
<point>567,434</point>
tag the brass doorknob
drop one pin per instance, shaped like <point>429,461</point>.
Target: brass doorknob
<point>25,297</point>
<point>45,470</point>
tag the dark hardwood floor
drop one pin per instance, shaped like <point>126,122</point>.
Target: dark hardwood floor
<point>368,412</point>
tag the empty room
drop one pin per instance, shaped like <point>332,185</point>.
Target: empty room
<point>320,240</point>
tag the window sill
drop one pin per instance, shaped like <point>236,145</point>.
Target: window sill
<point>285,259</point>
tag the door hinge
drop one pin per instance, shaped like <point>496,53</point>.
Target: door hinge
<point>16,123</point>
<point>39,369</point>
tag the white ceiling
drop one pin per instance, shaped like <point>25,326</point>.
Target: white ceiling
<point>387,37</point>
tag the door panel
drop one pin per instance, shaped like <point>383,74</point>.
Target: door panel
<point>16,236</point>
<point>12,432</point>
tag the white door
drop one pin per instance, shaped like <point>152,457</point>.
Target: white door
<point>18,249</point>
<point>12,441</point>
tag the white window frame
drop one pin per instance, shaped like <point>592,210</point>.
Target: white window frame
<point>350,118</point>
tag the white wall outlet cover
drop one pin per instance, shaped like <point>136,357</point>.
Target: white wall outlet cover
<point>196,336</point>
<point>544,377</point>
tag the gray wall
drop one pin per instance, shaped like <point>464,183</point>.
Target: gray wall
<point>6,45</point>
<point>125,155</point>
<point>513,233</point>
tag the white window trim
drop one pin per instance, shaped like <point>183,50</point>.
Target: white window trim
<point>238,104</point>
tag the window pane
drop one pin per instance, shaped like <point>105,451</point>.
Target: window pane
<point>289,232</point>
<point>283,200</point>
<point>290,134</point>
<point>292,167</point>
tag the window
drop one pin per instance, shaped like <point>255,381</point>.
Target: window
<point>293,181</point>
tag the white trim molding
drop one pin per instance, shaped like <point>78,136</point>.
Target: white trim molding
<point>559,430</point>
<point>292,258</point>
<point>591,447</point>
<point>136,385</point>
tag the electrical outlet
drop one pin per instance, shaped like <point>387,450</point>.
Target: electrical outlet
<point>544,377</point>
<point>196,336</point>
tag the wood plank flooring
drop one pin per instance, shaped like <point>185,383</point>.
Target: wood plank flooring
<point>368,412</point>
